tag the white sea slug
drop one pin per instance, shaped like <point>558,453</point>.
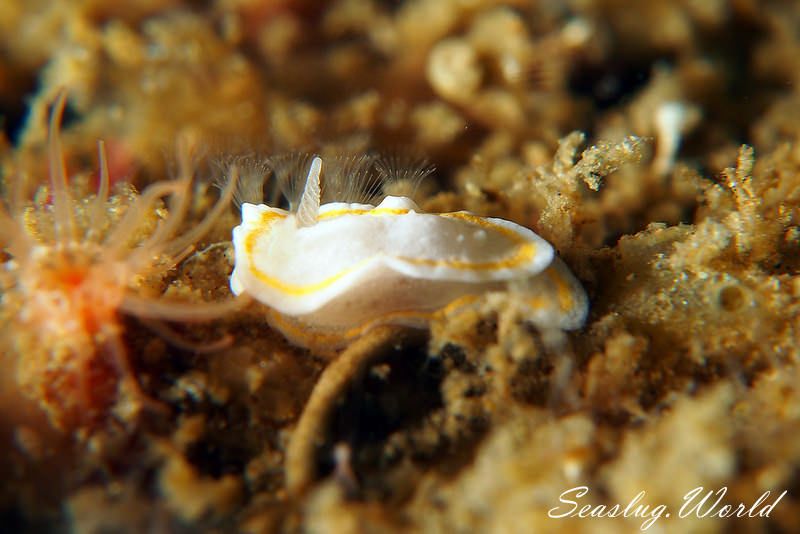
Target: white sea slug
<point>328,272</point>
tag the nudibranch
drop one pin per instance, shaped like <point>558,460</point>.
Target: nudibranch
<point>330,271</point>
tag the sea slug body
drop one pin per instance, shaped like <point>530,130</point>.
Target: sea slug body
<point>335,269</point>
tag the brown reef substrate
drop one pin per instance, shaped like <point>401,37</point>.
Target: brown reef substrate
<point>687,373</point>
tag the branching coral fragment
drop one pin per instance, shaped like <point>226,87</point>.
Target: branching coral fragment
<point>558,183</point>
<point>600,160</point>
<point>754,234</point>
